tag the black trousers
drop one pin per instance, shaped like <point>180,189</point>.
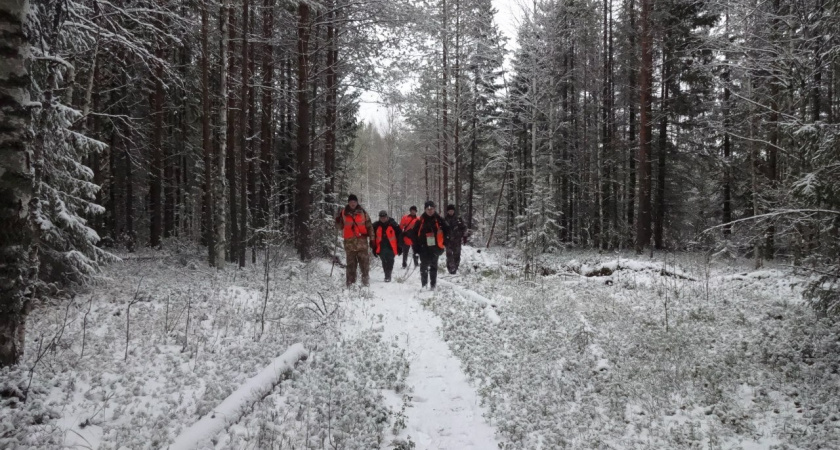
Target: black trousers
<point>428,267</point>
<point>453,257</point>
<point>405,250</point>
<point>387,257</point>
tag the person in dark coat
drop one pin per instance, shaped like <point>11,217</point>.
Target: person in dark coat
<point>428,235</point>
<point>386,246</point>
<point>458,234</point>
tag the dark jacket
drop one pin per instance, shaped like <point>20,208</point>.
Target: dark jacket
<point>390,223</point>
<point>457,230</point>
<point>427,224</point>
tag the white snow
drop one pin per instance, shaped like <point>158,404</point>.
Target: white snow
<point>237,403</point>
<point>444,411</point>
<point>485,303</point>
<point>734,360</point>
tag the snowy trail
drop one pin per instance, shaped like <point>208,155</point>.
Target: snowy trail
<point>444,412</point>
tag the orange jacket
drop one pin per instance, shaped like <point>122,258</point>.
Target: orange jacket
<point>390,234</point>
<point>406,223</point>
<point>355,222</point>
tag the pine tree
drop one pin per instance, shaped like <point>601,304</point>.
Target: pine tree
<point>18,255</point>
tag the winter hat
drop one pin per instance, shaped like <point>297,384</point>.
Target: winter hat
<point>450,208</point>
<point>383,213</point>
<point>413,208</point>
<point>352,198</point>
<point>429,204</point>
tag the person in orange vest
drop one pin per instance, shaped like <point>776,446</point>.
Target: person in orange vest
<point>357,229</point>
<point>458,235</point>
<point>405,243</point>
<point>428,235</point>
<point>387,237</point>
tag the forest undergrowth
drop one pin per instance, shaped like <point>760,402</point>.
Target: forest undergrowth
<point>587,351</point>
<point>718,357</point>
<point>157,342</point>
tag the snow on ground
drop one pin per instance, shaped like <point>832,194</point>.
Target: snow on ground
<point>640,358</point>
<point>156,344</point>
<point>236,404</point>
<point>678,352</point>
<point>442,409</point>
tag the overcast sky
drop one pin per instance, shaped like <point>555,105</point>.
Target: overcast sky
<point>507,18</point>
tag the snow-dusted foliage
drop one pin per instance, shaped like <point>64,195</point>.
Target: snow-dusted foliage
<point>640,358</point>
<point>67,196</point>
<point>159,343</point>
<point>69,43</point>
<point>333,401</point>
<point>593,352</point>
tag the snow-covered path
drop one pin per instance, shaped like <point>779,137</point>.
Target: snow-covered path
<point>444,412</point>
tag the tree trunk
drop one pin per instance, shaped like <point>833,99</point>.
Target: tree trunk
<point>206,143</point>
<point>16,190</point>
<point>473,146</point>
<point>659,221</point>
<point>646,85</point>
<point>129,183</point>
<point>727,145</point>
<point>331,106</point>
<point>267,107</point>
<point>245,147</point>
<point>631,132</point>
<point>219,209</point>
<point>754,164</point>
<point>456,145</point>
<point>169,160</point>
<point>156,172</point>
<point>444,110</point>
<point>304,181</point>
<point>112,173</point>
<point>233,183</point>
<point>426,171</point>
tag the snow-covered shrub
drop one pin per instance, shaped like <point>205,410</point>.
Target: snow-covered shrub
<point>823,291</point>
<point>24,423</point>
<point>579,363</point>
<point>332,401</point>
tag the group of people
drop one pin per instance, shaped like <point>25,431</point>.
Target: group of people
<point>427,236</point>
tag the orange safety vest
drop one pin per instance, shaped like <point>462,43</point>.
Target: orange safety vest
<point>438,233</point>
<point>390,234</point>
<point>354,224</point>
<point>405,225</point>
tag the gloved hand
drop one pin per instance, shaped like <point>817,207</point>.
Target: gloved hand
<point>373,247</point>
<point>464,240</point>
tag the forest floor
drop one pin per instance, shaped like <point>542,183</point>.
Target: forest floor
<point>594,351</point>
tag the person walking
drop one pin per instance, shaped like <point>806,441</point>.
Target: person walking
<point>355,222</point>
<point>406,223</point>
<point>387,235</point>
<point>427,235</point>
<point>458,235</point>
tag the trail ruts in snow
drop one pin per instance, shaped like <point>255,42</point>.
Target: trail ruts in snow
<point>441,408</point>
